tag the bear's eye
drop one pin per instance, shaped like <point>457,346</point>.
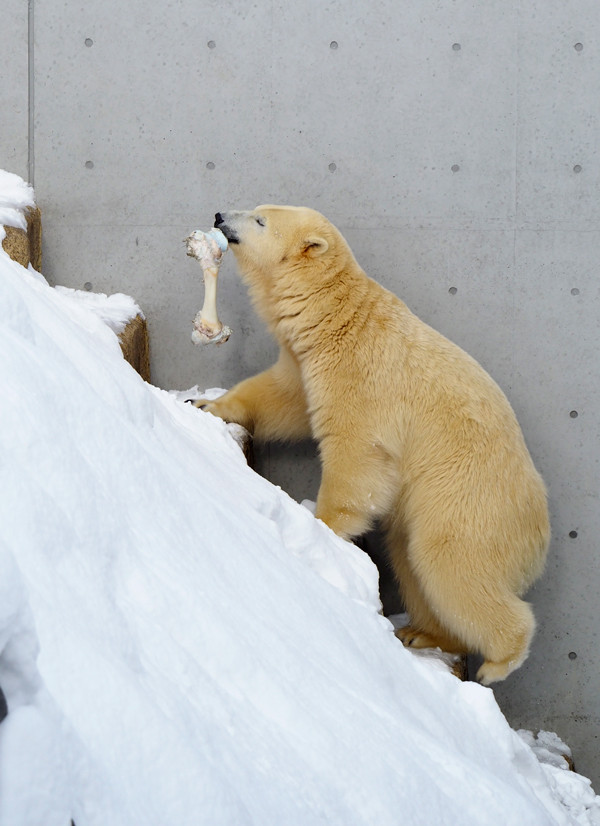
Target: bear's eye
<point>260,221</point>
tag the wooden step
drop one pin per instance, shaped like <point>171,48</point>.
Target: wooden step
<point>25,247</point>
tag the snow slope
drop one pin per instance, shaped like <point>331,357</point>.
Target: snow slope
<point>182,644</point>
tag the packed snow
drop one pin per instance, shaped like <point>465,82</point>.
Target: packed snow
<point>181,643</point>
<point>114,310</point>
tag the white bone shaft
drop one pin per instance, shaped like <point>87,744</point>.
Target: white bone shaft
<point>208,314</point>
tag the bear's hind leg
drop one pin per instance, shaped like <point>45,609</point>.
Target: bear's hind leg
<point>471,601</point>
<point>507,643</point>
<point>424,629</point>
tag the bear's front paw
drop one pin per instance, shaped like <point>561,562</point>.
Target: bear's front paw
<point>413,638</point>
<point>200,403</point>
<point>208,407</point>
<point>491,672</point>
<point>231,412</point>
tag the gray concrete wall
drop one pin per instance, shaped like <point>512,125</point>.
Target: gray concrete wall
<point>454,142</point>
<point>14,86</point>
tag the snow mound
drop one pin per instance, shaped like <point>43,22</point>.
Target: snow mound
<point>114,310</point>
<point>181,643</point>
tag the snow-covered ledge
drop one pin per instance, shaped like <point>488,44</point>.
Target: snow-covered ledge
<point>21,238</point>
<point>21,233</point>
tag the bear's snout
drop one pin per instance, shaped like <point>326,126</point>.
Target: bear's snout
<point>228,232</point>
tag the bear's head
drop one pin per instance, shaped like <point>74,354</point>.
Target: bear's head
<point>271,239</point>
<point>287,256</point>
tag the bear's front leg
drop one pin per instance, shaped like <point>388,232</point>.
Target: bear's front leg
<point>270,405</point>
<point>356,485</point>
<point>344,519</point>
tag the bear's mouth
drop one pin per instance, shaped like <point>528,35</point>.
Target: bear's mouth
<point>229,233</point>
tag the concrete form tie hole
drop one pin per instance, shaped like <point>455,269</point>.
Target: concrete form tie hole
<point>332,167</point>
<point>333,45</point>
<point>578,47</point>
<point>210,165</point>
<point>453,290</point>
<point>577,168</point>
<point>572,655</point>
<point>455,167</point>
<point>573,534</point>
<point>89,164</point>
<point>574,291</point>
<point>211,44</point>
<point>573,414</point>
<point>88,42</point>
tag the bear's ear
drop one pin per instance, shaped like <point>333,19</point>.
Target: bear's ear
<point>315,245</point>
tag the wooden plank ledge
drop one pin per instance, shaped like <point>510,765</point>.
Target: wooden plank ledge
<point>25,247</point>
<point>135,346</point>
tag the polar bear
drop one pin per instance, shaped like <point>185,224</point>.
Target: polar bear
<point>411,432</point>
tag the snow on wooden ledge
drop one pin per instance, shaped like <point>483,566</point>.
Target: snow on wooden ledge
<point>21,238</point>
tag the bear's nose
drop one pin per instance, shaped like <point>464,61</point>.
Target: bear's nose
<point>218,219</point>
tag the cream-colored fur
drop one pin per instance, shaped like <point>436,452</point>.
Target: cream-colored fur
<point>411,431</point>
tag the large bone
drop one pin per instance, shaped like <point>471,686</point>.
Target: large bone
<point>208,248</point>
